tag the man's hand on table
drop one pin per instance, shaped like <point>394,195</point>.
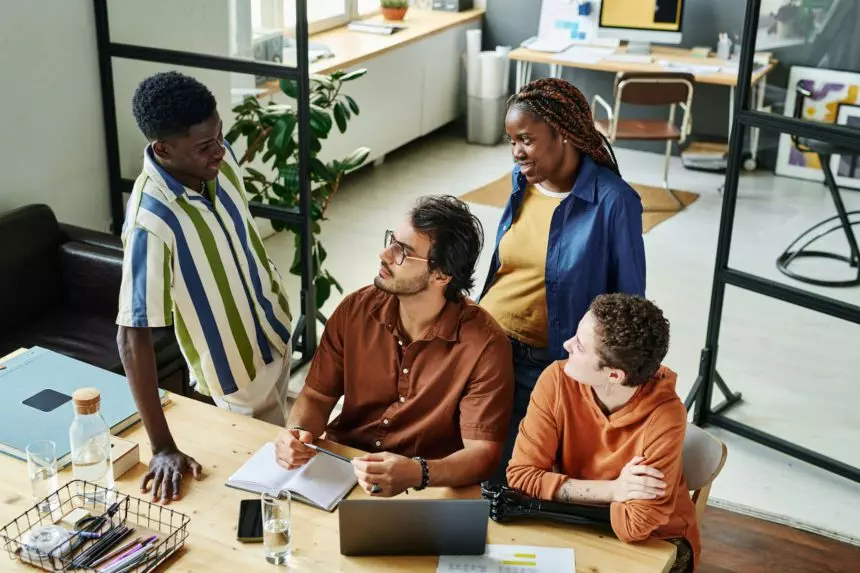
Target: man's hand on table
<point>290,449</point>
<point>166,469</point>
<point>393,474</point>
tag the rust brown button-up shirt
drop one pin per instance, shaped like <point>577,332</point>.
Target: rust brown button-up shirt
<point>414,399</point>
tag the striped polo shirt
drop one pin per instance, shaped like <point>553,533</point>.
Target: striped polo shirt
<point>196,261</point>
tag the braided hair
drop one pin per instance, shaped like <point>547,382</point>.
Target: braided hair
<point>565,110</point>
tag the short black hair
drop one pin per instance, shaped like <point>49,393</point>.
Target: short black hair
<point>633,333</point>
<point>169,103</point>
<point>457,237</point>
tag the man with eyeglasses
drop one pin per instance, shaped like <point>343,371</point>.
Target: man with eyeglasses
<point>425,374</point>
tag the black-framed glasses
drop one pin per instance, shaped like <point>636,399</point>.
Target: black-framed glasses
<point>399,250</point>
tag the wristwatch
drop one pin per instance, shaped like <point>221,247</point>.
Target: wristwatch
<point>425,473</point>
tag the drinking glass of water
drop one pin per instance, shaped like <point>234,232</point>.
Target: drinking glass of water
<point>276,528</point>
<point>42,466</point>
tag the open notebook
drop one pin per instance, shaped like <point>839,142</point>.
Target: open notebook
<point>322,482</point>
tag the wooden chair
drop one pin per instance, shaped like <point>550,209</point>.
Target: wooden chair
<point>670,89</point>
<point>703,457</point>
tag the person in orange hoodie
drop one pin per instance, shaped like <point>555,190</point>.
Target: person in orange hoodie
<point>606,427</point>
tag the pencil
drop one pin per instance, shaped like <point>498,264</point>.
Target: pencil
<point>316,448</point>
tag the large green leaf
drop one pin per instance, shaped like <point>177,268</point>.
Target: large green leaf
<point>291,88</point>
<point>356,158</point>
<point>255,174</point>
<point>290,175</point>
<point>340,118</point>
<point>315,144</point>
<point>277,137</point>
<point>322,80</point>
<point>353,75</point>
<point>321,170</point>
<point>323,288</point>
<point>296,268</point>
<point>251,188</point>
<point>320,122</point>
<point>321,252</point>
<point>353,105</point>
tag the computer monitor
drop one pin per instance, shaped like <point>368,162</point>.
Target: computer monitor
<point>641,22</point>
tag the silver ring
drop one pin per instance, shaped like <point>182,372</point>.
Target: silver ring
<point>375,488</point>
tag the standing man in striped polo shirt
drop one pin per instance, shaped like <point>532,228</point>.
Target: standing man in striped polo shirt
<point>194,259</point>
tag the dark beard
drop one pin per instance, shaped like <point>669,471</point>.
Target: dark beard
<point>401,288</point>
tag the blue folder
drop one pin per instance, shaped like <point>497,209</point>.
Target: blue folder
<point>37,387</point>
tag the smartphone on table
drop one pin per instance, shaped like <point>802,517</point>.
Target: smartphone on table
<point>250,529</point>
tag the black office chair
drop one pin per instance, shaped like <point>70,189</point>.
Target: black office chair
<point>842,220</point>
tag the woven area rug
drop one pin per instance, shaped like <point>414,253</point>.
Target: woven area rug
<point>496,194</point>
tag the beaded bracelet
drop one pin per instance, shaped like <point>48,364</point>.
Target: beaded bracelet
<point>425,473</point>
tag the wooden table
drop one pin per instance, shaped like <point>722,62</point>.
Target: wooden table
<point>222,441</point>
<point>674,56</point>
<point>352,48</point>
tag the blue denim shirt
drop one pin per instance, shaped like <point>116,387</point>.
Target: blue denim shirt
<point>595,247</point>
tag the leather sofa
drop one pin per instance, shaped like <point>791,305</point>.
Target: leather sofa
<point>59,287</point>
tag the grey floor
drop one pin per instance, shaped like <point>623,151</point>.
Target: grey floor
<point>799,371</point>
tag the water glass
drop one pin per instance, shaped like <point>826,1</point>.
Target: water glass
<point>42,467</point>
<point>276,527</point>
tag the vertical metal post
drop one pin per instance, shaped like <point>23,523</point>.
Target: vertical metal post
<point>309,297</point>
<point>724,244</point>
<point>109,115</point>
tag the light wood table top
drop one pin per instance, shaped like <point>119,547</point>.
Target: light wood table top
<point>222,441</point>
<point>673,55</point>
<point>352,48</point>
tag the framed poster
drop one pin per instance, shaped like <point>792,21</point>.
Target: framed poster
<point>846,168</point>
<point>830,90</point>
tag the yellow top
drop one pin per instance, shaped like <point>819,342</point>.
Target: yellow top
<point>517,297</point>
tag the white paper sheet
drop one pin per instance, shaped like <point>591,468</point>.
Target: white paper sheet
<point>473,62</point>
<point>585,54</point>
<point>511,559</point>
<point>492,75</point>
<point>504,51</point>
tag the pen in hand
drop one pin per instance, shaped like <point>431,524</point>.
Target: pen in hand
<point>318,449</point>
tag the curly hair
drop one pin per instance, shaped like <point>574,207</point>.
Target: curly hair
<point>560,105</point>
<point>169,103</point>
<point>633,335</point>
<point>457,236</point>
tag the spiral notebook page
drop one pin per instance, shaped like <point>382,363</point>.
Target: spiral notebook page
<point>324,481</point>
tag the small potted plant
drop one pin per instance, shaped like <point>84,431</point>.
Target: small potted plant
<point>394,9</point>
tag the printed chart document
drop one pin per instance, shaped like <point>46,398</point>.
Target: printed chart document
<point>511,559</point>
<point>322,482</point>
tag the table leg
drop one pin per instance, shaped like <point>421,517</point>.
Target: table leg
<point>555,70</point>
<point>751,163</point>
<point>731,109</point>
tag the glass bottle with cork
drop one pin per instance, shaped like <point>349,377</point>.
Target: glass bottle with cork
<point>89,436</point>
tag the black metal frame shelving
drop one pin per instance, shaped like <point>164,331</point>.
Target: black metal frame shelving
<point>304,333</point>
<point>701,395</point>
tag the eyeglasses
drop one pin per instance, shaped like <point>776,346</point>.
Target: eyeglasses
<point>398,249</point>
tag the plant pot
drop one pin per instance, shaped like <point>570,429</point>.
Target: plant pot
<point>394,13</point>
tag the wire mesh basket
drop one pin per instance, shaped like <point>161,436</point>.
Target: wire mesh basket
<point>110,513</point>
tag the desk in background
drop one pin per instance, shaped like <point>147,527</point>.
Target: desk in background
<point>222,441</point>
<point>676,59</point>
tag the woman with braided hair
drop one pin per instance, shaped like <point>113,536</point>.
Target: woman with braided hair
<point>572,230</point>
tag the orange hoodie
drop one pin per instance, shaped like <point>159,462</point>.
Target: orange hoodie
<point>565,425</point>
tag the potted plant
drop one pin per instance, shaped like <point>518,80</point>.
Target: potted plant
<point>272,131</point>
<point>394,9</point>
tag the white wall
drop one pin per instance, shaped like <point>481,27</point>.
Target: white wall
<point>201,26</point>
<point>52,146</point>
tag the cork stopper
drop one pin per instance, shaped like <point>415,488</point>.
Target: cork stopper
<point>87,400</point>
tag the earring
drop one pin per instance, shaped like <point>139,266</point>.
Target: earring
<point>565,141</point>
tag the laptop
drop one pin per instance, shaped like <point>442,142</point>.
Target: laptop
<point>418,527</point>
